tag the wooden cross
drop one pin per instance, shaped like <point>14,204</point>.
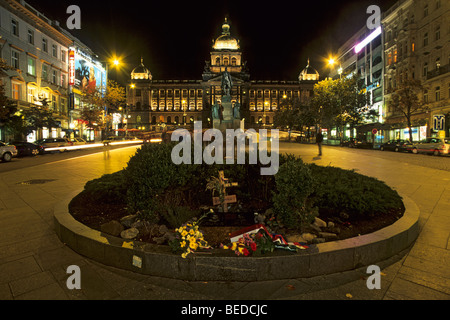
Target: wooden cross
<point>226,198</point>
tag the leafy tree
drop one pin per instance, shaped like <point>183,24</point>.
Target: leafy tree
<point>98,104</point>
<point>340,102</point>
<point>7,107</point>
<point>405,100</point>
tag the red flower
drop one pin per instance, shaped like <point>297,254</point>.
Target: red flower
<point>253,246</point>
<point>245,252</point>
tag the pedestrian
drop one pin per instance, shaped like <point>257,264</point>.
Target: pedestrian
<point>319,139</point>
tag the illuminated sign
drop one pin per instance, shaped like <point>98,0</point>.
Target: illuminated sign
<point>89,74</point>
<point>367,40</point>
<point>438,122</point>
<point>71,67</point>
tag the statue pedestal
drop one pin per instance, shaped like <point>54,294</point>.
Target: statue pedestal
<point>227,112</point>
<point>228,121</point>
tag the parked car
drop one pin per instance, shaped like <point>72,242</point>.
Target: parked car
<point>433,145</point>
<point>363,144</point>
<point>25,148</point>
<point>351,143</point>
<point>54,144</point>
<point>395,145</point>
<point>7,152</point>
<point>78,141</point>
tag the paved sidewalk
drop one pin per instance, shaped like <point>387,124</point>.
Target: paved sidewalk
<point>33,261</point>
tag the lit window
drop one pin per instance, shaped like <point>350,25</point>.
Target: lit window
<point>31,66</point>
<point>16,91</point>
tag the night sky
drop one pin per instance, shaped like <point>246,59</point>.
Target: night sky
<point>175,37</point>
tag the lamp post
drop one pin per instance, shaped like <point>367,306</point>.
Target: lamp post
<point>114,62</point>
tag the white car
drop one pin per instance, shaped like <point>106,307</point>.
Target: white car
<point>436,146</point>
<point>78,141</point>
<point>7,152</point>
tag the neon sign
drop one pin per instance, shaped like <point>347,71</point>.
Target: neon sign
<point>71,67</point>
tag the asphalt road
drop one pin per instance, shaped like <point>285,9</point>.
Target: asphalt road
<point>25,162</point>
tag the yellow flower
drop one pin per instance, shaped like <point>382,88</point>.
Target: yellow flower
<point>192,239</point>
<point>182,244</point>
<point>233,246</point>
<point>225,247</point>
<point>240,249</point>
<point>193,245</point>
<point>184,233</point>
<point>191,232</point>
<point>183,255</point>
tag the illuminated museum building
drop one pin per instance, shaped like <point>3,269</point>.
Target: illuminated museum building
<point>154,102</point>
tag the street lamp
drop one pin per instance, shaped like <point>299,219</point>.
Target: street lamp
<point>115,62</point>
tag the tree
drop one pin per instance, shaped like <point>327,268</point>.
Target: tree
<point>7,107</point>
<point>99,104</point>
<point>405,100</point>
<point>340,102</point>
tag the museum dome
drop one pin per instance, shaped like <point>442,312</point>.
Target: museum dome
<point>141,72</point>
<point>226,41</point>
<point>309,73</point>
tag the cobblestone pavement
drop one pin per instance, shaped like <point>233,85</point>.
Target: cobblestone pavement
<point>33,261</point>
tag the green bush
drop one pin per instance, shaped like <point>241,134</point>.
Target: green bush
<point>154,181</point>
<point>294,184</point>
<point>337,190</point>
<point>110,188</point>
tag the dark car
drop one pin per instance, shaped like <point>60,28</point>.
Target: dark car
<point>351,143</point>
<point>25,148</point>
<point>363,144</point>
<point>395,145</point>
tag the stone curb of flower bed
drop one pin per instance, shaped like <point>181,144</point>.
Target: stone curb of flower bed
<point>157,260</point>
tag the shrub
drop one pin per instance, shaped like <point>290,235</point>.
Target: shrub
<point>154,182</point>
<point>110,188</point>
<point>294,184</point>
<point>337,190</point>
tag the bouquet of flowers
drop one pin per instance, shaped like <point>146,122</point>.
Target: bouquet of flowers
<point>252,243</point>
<point>188,238</point>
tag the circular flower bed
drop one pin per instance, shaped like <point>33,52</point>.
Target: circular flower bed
<point>173,204</point>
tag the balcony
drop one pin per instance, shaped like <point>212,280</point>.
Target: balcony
<point>438,71</point>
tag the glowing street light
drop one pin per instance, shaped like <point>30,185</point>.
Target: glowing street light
<point>331,62</point>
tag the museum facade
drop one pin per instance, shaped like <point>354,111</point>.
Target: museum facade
<point>152,103</point>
